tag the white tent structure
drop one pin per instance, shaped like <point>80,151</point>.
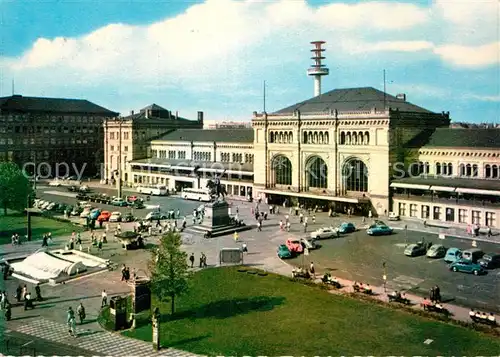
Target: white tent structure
<point>44,266</point>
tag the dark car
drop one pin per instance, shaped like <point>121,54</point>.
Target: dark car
<point>490,261</point>
<point>72,188</point>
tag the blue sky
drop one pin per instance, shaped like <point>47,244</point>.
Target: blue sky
<point>214,55</point>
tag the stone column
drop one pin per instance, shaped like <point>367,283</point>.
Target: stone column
<point>156,329</point>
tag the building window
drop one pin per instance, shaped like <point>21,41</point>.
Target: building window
<point>450,215</point>
<point>282,169</point>
<point>171,154</point>
<point>436,213</point>
<point>316,172</point>
<point>475,170</point>
<point>490,219</point>
<point>487,171</point>
<point>450,169</point>
<point>112,148</point>
<point>438,169</point>
<point>468,170</point>
<point>181,154</point>
<point>125,135</point>
<point>125,148</point>
<point>112,136</point>
<point>402,209</point>
<point>461,168</point>
<point>413,210</point>
<point>355,176</point>
<point>462,216</point>
<point>476,217</point>
<point>494,171</point>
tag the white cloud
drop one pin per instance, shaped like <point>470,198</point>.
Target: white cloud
<point>391,46</point>
<point>483,98</point>
<point>470,56</point>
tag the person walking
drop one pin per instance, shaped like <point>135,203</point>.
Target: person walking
<point>236,236</point>
<point>312,270</point>
<point>38,292</point>
<point>81,313</point>
<point>489,232</point>
<point>204,259</point>
<point>70,318</point>
<point>104,298</point>
<point>191,259</point>
<point>437,293</point>
<point>259,226</point>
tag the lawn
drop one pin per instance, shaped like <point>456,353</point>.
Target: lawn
<point>228,312</point>
<point>17,223</point>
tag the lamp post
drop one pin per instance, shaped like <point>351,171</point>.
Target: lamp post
<point>119,181</point>
<point>384,276</point>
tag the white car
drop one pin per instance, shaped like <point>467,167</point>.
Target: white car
<point>54,183</point>
<point>45,205</point>
<point>84,188</point>
<point>85,213</point>
<point>324,233</point>
<point>115,217</point>
<point>393,216</point>
<point>51,206</point>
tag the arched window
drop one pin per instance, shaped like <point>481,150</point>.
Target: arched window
<point>420,167</point>
<point>468,170</point>
<point>315,138</point>
<point>305,138</point>
<point>355,176</point>
<point>316,172</point>
<point>487,171</point>
<point>327,137</point>
<point>450,169</point>
<point>461,168</point>
<point>348,138</point>
<point>354,139</point>
<point>310,140</point>
<point>475,170</point>
<point>342,138</point>
<point>361,139</point>
<point>282,170</point>
<point>271,137</point>
<point>367,138</point>
<point>438,168</point>
<point>290,137</point>
<point>444,168</point>
<point>321,137</point>
<point>285,137</point>
<point>494,171</point>
<point>281,137</point>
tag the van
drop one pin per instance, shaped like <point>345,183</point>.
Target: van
<point>473,254</point>
<point>452,254</point>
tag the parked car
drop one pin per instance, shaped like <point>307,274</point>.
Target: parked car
<point>104,216</point>
<point>95,213</point>
<point>379,230</point>
<point>76,211</point>
<point>132,198</point>
<point>284,252</point>
<point>324,233</point>
<point>415,250</point>
<point>154,216</point>
<point>45,205</point>
<point>436,251</point>
<point>294,245</point>
<point>467,266</point>
<point>115,217</point>
<point>85,213</point>
<point>51,206</point>
<point>119,202</point>
<point>473,254</point>
<point>393,216</point>
<point>84,188</point>
<point>346,227</point>
<point>490,261</point>
<point>72,188</point>
<point>128,218</point>
<point>452,254</point>
<point>54,183</point>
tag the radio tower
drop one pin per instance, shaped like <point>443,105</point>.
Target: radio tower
<point>317,69</point>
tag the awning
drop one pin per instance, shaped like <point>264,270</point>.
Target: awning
<point>410,186</point>
<point>443,188</point>
<point>474,191</point>
<point>305,195</point>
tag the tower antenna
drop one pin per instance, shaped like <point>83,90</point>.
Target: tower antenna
<point>317,69</point>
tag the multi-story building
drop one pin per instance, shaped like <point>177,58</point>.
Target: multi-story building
<point>128,138</point>
<point>52,133</point>
<point>189,158</point>
<point>456,179</point>
<point>215,124</point>
<point>336,149</point>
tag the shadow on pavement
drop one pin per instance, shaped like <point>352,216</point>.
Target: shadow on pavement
<point>228,308</point>
<point>88,333</point>
<point>23,317</point>
<point>185,341</point>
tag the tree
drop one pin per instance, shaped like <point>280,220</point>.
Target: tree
<point>15,188</point>
<point>169,269</point>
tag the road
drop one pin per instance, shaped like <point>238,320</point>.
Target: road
<point>360,257</point>
<point>62,195</point>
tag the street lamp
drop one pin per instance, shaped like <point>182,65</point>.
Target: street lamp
<point>119,181</point>
<point>385,276</point>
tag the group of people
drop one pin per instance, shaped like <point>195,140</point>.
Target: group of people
<point>364,288</point>
<point>71,318</point>
<point>435,294</point>
<point>46,239</point>
<point>482,317</point>
<point>126,273</point>
<point>16,239</point>
<point>203,260</point>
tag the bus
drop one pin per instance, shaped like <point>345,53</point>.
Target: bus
<point>196,194</point>
<point>157,190</point>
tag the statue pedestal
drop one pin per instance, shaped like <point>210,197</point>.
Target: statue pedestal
<point>216,221</point>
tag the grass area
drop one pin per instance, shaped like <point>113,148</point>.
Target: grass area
<point>17,223</point>
<point>228,312</point>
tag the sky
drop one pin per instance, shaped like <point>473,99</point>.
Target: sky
<point>215,55</point>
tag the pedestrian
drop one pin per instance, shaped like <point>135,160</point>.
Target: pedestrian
<point>204,258</point>
<point>489,232</point>
<point>259,226</point>
<point>432,294</point>
<point>81,313</point>
<point>99,246</point>
<point>201,260</point>
<point>177,213</point>
<point>305,227</point>
<point>301,218</point>
<point>437,293</point>
<point>104,298</point>
<point>71,321</point>
<point>191,259</point>
<point>363,220</point>
<point>314,219</point>
<point>370,214</point>
<point>244,248</point>
<point>312,270</point>
<point>38,292</point>
<point>19,292</point>
<point>25,292</point>
<point>288,224</point>
<point>281,225</point>
<point>236,236</point>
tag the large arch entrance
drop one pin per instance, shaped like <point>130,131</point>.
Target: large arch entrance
<point>316,173</point>
<point>355,175</point>
<point>281,170</point>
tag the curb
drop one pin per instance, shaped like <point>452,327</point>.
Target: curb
<point>485,240</point>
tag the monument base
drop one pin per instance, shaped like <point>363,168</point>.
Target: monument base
<point>217,222</point>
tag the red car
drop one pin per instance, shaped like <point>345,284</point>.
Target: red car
<point>104,216</point>
<point>294,245</point>
<point>132,198</point>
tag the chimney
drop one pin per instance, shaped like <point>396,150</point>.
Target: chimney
<point>401,96</point>
<point>131,112</point>
<point>176,114</point>
<point>200,118</point>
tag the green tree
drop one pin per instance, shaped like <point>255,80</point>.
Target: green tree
<point>15,187</point>
<point>169,269</point>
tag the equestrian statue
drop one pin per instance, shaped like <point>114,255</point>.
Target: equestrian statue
<point>216,188</point>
